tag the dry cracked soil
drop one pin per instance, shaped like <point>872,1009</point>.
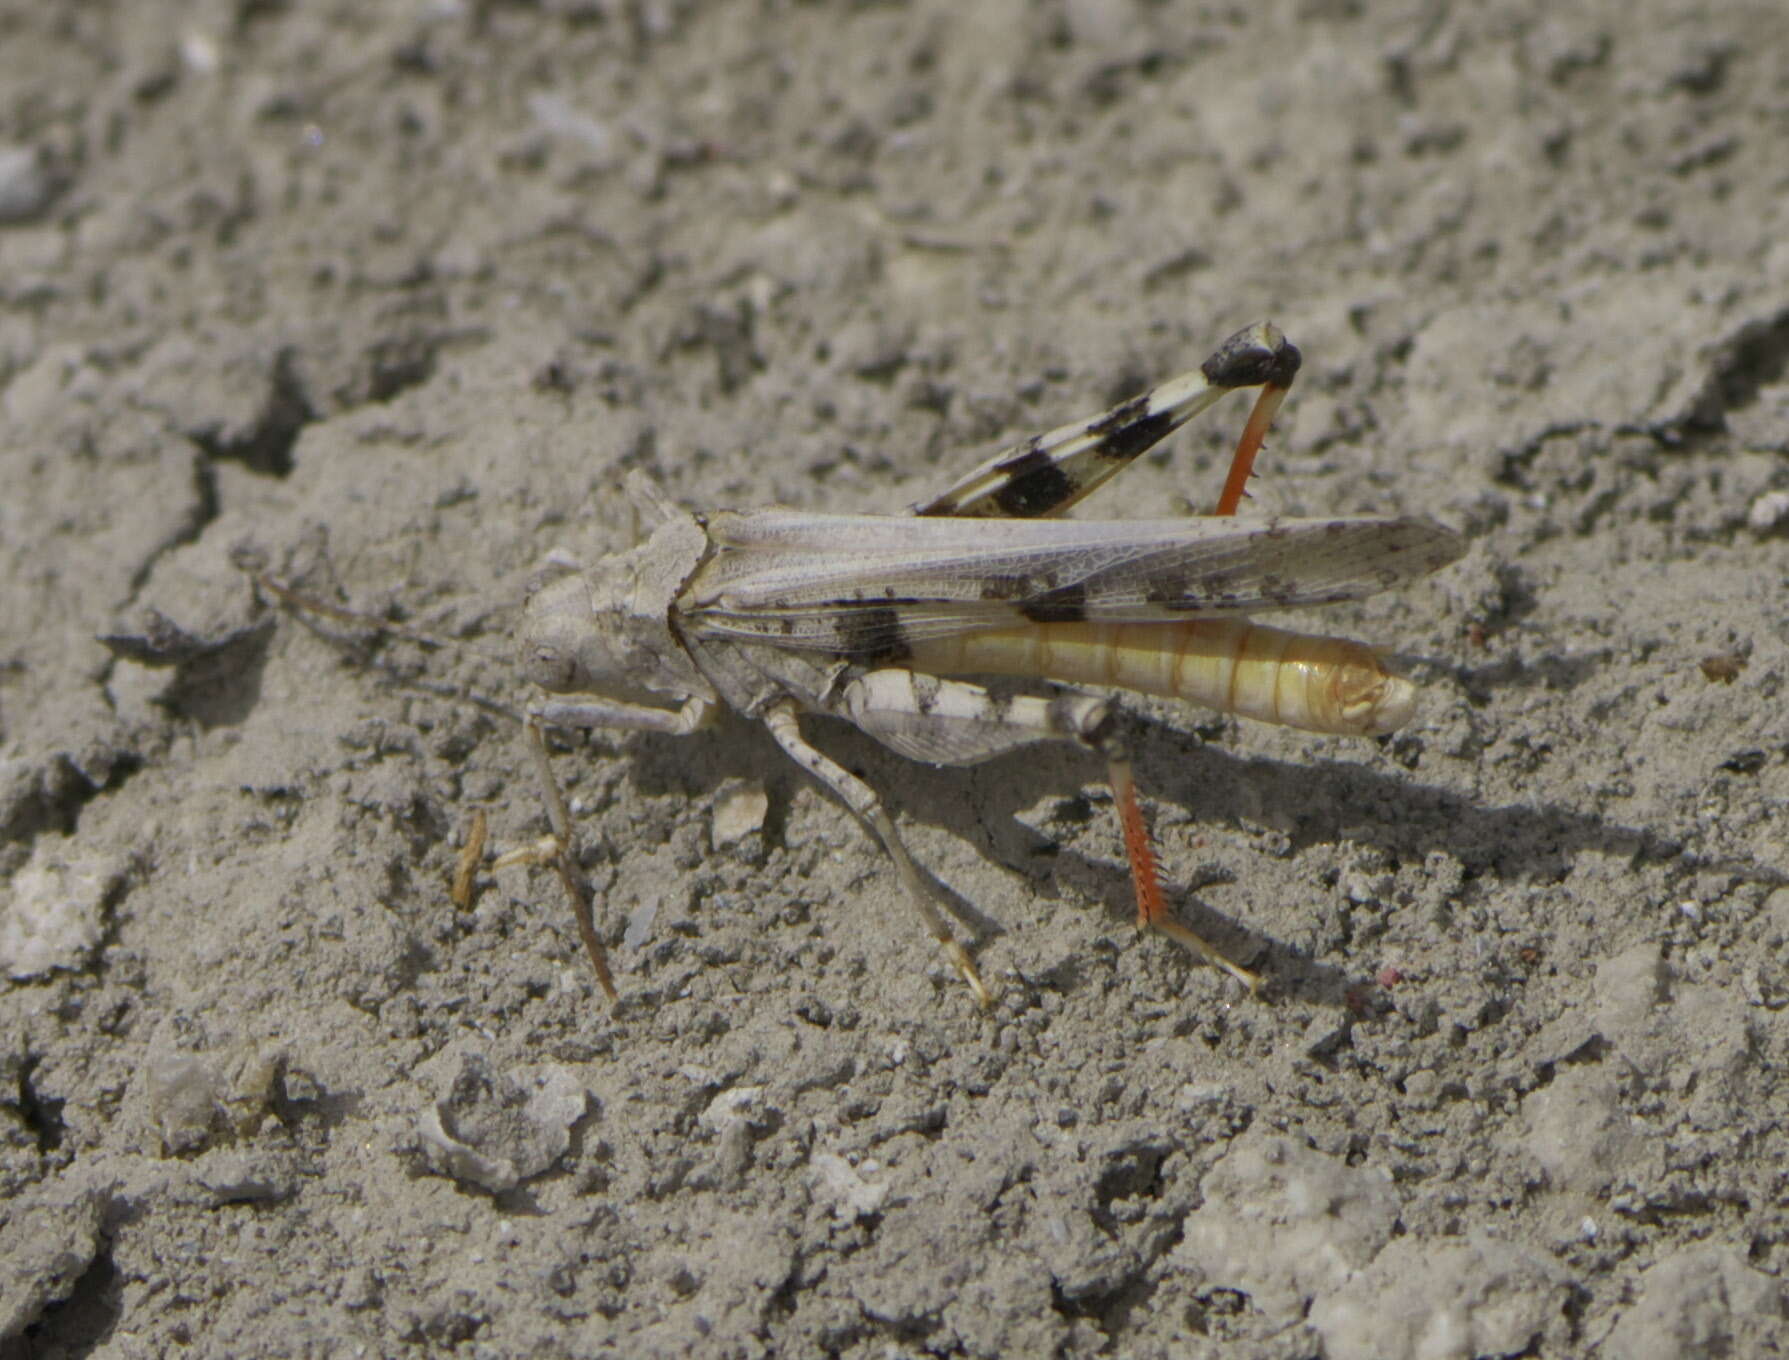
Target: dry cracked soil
<point>392,296</point>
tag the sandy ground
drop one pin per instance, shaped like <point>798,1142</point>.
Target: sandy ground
<point>394,294</point>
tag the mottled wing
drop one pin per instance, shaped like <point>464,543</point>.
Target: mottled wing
<point>838,582</point>
<point>1046,474</point>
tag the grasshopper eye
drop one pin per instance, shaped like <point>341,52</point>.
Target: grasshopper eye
<point>553,670</point>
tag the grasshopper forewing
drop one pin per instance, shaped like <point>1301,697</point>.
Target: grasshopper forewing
<point>778,613</point>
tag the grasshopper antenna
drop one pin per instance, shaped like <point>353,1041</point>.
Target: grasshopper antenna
<point>304,604</point>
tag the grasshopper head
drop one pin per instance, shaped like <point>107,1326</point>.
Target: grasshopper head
<point>607,630</point>
<point>565,649</point>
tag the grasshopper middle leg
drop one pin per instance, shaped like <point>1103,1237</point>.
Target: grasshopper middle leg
<point>862,800</point>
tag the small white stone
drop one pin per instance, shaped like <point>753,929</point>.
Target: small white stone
<point>25,186</point>
<point>1768,511</point>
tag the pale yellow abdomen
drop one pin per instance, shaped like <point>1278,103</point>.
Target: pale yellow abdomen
<point>1320,684</point>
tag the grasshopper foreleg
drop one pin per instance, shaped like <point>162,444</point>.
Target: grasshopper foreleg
<point>561,849</point>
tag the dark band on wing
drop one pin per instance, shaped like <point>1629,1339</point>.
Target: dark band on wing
<point>1065,604</point>
<point>871,636</point>
<point>996,586</point>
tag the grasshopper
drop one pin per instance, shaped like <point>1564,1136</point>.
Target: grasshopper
<point>779,613</point>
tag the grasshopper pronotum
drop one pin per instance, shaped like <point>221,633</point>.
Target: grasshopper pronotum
<point>776,612</point>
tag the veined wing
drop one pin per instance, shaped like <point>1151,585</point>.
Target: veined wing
<point>819,582</point>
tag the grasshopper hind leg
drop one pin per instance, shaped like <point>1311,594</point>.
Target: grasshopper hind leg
<point>950,722</point>
<point>1153,911</point>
